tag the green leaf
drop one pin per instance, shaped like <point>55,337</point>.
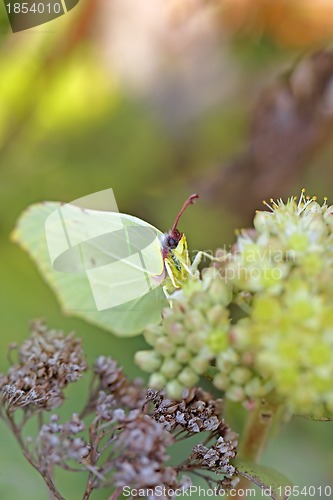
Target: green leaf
<point>269,480</point>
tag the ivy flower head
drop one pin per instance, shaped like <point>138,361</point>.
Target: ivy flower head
<point>192,331</point>
<point>286,336</point>
<point>263,319</point>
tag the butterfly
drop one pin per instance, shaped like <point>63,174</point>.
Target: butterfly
<point>109,268</point>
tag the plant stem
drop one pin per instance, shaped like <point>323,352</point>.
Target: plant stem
<point>89,487</point>
<point>257,428</point>
<point>93,456</point>
<point>48,480</point>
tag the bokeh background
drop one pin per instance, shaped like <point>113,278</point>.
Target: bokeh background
<point>158,99</point>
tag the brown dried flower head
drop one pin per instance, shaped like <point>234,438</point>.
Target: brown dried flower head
<point>130,428</point>
<point>47,361</point>
<point>112,380</point>
<point>197,412</point>
<point>142,446</point>
<point>57,443</point>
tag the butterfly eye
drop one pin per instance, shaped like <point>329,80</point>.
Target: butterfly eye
<point>172,243</point>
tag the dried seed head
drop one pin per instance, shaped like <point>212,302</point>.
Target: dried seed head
<point>57,443</point>
<point>113,381</point>
<point>142,446</point>
<point>47,362</point>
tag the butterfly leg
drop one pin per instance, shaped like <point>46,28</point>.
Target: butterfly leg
<point>166,293</point>
<point>170,273</point>
<point>200,255</point>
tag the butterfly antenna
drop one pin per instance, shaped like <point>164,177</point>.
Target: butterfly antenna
<point>190,200</point>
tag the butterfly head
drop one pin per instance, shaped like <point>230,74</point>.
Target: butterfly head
<point>172,238</point>
<point>175,252</point>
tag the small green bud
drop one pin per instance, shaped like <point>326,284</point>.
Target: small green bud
<point>194,342</point>
<point>266,308</point>
<point>252,253</point>
<point>183,355</point>
<point>271,276</point>
<point>199,364</point>
<point>301,309</point>
<point>240,375</point>
<point>320,355</point>
<point>218,339</point>
<point>268,362</point>
<point>176,331</point>
<point>313,209</point>
<point>220,292</point>
<point>200,302</point>
<point>148,361</point>
<point>188,377</point>
<point>170,368</point>
<point>194,320</point>
<point>164,347</point>
<point>262,221</point>
<point>221,381</point>
<point>254,388</point>
<point>288,349</point>
<point>191,288</point>
<point>298,242</point>
<point>175,389</point>
<point>287,379</point>
<point>235,393</point>
<point>227,358</point>
<point>179,307</point>
<point>216,314</point>
<point>209,274</point>
<point>328,216</point>
<point>152,333</point>
<point>312,264</point>
<point>157,381</point>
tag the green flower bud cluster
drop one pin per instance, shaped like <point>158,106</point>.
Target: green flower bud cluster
<point>193,330</point>
<point>263,317</point>
<point>290,339</point>
<point>285,343</point>
<point>292,234</point>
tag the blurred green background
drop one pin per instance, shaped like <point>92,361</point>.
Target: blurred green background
<point>158,102</point>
